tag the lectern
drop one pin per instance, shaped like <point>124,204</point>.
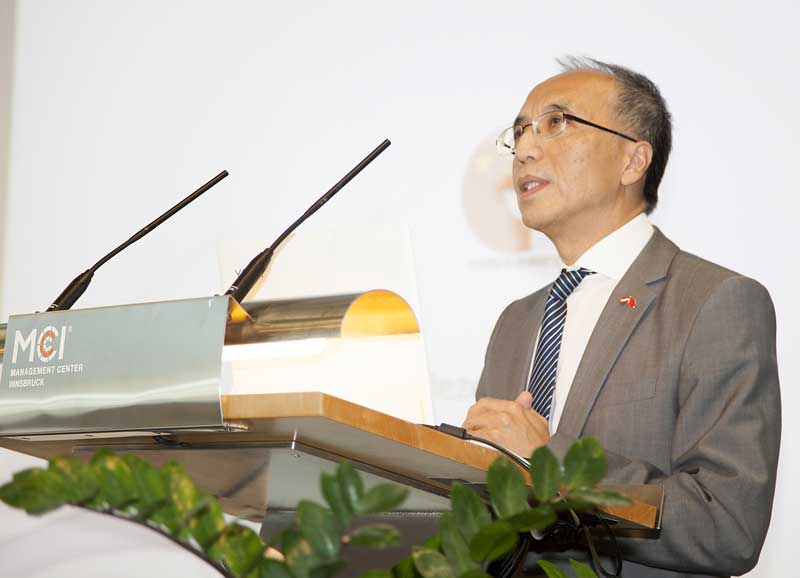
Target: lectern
<point>258,453</point>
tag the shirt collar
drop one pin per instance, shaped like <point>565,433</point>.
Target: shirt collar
<point>613,255</point>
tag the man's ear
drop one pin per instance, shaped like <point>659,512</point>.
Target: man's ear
<point>639,159</point>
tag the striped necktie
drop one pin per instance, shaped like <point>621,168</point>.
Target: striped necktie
<point>545,362</point>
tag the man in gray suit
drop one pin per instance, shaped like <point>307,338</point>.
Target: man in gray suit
<point>667,359</point>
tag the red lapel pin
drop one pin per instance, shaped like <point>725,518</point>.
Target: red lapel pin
<point>629,301</point>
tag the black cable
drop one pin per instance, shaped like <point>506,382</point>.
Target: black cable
<point>614,548</point>
<point>581,527</point>
<point>461,433</point>
<point>507,566</point>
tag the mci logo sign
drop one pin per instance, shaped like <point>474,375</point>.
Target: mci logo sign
<point>46,345</point>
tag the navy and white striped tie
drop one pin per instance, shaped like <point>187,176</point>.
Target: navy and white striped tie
<point>545,362</point>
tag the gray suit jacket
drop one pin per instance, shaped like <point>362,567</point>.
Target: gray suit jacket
<point>681,391</point>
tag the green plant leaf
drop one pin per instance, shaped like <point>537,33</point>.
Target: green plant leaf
<point>582,570</point>
<point>117,488</point>
<point>334,496</point>
<point>239,548</point>
<point>208,524</point>
<point>545,474</point>
<point>377,574</point>
<point>298,554</point>
<point>506,488</point>
<point>551,569</point>
<point>375,536</point>
<point>537,518</point>
<point>271,568</point>
<point>571,504</point>
<point>381,498</point>
<point>327,569</point>
<point>431,564</point>
<point>584,464</point>
<point>600,497</point>
<point>475,573</point>
<point>78,480</point>
<point>454,545</point>
<point>351,483</point>
<point>37,491</point>
<point>182,496</point>
<point>150,485</point>
<point>405,569</point>
<point>434,542</point>
<point>318,526</point>
<point>493,541</point>
<point>471,514</point>
<point>180,487</point>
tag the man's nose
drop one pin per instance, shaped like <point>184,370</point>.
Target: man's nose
<point>528,147</point>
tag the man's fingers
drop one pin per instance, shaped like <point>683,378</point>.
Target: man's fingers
<point>491,412</point>
<point>493,420</point>
<point>488,405</point>
<point>480,421</point>
<point>492,404</point>
<point>473,410</point>
<point>513,426</point>
<point>525,399</point>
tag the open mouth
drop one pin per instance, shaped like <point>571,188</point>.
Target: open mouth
<point>529,186</point>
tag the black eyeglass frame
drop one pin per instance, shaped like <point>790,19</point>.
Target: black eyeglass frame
<point>571,117</point>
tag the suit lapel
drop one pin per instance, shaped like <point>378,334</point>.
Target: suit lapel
<point>525,328</point>
<point>615,325</point>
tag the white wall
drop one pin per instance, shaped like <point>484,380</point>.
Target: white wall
<point>121,108</point>
<point>6,77</point>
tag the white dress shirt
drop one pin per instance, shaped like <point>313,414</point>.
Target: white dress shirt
<point>610,258</point>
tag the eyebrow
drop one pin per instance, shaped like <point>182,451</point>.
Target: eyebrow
<point>563,107</point>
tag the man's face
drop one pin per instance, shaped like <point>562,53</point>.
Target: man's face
<point>575,176</point>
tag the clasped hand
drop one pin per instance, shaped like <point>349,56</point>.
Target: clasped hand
<point>511,424</point>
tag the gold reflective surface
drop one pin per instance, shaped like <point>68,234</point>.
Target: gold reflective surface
<point>373,313</point>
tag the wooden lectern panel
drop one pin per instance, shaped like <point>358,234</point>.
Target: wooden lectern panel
<point>319,419</point>
<point>366,435</point>
<point>320,424</point>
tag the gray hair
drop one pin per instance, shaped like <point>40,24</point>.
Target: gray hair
<point>641,109</point>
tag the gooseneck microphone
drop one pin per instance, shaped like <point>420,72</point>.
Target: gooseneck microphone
<point>75,289</point>
<point>256,268</point>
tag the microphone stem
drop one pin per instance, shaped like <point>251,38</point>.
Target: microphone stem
<point>78,286</point>
<point>256,268</point>
<point>148,228</point>
<point>333,190</point>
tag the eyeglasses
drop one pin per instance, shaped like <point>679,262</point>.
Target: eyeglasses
<point>547,125</point>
